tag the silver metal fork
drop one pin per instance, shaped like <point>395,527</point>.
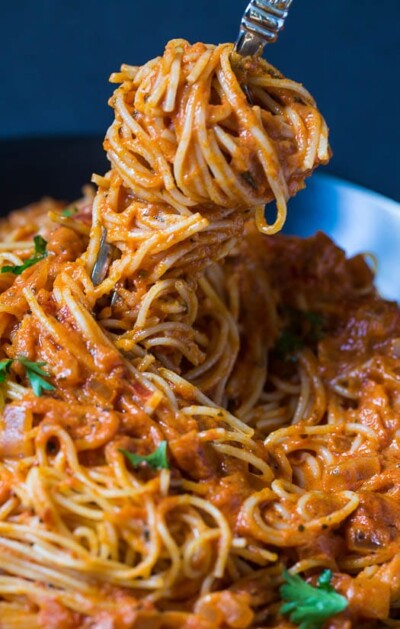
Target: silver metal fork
<point>261,23</point>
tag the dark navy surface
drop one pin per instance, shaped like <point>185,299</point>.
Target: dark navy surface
<point>56,56</point>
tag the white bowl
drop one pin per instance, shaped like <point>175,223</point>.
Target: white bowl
<point>357,219</point>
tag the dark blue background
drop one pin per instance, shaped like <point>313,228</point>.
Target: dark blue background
<point>56,56</point>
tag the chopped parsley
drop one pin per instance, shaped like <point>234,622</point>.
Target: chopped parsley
<point>35,375</point>
<point>158,459</point>
<point>303,328</point>
<point>5,368</point>
<point>68,212</point>
<point>288,344</point>
<point>40,245</point>
<point>308,606</point>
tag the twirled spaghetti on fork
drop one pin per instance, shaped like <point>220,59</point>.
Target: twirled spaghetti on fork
<point>173,419</point>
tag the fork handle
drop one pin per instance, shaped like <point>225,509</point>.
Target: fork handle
<point>261,23</point>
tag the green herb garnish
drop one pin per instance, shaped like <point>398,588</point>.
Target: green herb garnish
<point>5,368</point>
<point>158,459</point>
<point>288,344</point>
<point>309,606</point>
<point>316,324</point>
<point>35,373</point>
<point>303,328</point>
<point>69,211</point>
<point>40,246</point>
<point>40,253</point>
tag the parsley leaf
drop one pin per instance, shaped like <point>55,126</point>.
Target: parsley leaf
<point>5,368</point>
<point>308,606</point>
<point>40,246</point>
<point>316,323</point>
<point>68,212</point>
<point>303,328</point>
<point>40,253</point>
<point>288,344</point>
<point>157,459</point>
<point>324,581</point>
<point>35,373</point>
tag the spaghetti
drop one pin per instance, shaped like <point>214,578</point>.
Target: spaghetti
<point>184,415</point>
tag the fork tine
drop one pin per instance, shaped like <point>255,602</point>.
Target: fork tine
<point>277,7</point>
<point>100,267</point>
<point>263,23</point>
<point>260,25</point>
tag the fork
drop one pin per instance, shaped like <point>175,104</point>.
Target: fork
<point>261,23</point>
